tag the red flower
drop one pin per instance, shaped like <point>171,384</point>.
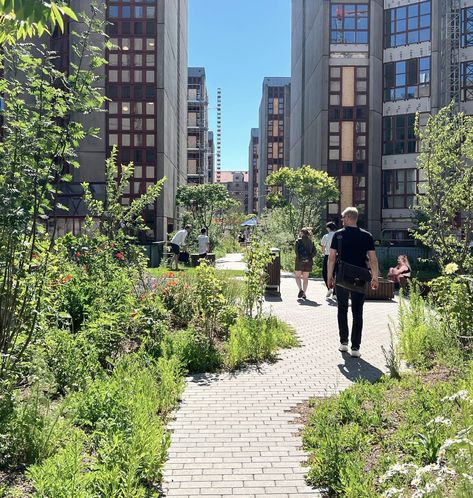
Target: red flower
<point>120,256</point>
<point>77,254</point>
<point>172,283</point>
<point>171,274</point>
<point>67,278</point>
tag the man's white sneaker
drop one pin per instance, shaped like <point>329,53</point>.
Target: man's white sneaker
<point>355,353</point>
<point>329,293</point>
<point>343,348</point>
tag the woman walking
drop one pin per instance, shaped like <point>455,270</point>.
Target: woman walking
<point>305,252</point>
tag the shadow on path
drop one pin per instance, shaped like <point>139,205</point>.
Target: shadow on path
<point>308,302</point>
<point>357,368</point>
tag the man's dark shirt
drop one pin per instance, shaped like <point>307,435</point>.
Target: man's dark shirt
<point>355,243</point>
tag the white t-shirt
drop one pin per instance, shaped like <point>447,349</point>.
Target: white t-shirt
<point>203,241</point>
<point>327,242</point>
<point>180,237</point>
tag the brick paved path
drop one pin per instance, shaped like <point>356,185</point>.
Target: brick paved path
<point>235,434</point>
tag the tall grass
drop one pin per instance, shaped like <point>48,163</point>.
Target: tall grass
<point>253,340</point>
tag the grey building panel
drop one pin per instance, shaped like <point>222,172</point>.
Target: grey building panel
<point>312,55</point>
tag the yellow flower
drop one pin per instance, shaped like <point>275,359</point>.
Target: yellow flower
<point>450,268</point>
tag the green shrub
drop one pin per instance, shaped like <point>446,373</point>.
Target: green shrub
<point>196,353</point>
<point>65,474</point>
<point>72,358</point>
<point>120,411</point>
<point>32,428</point>
<point>355,437</point>
<point>256,340</point>
<point>423,339</point>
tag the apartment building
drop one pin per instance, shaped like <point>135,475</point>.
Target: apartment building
<point>197,127</point>
<point>274,136</point>
<point>253,163</point>
<point>237,185</point>
<point>146,82</point>
<point>361,70</point>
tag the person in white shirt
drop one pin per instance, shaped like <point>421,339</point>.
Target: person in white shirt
<point>177,242</point>
<point>326,242</point>
<point>204,243</point>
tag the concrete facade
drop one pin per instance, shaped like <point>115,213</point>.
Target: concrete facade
<point>274,131</point>
<point>197,127</point>
<point>146,118</point>
<point>253,166</point>
<point>353,103</point>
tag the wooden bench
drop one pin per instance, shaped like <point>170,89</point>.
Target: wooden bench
<point>384,291</point>
<point>210,258</point>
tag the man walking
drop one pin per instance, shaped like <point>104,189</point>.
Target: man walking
<point>356,246</point>
<point>326,242</point>
<point>177,242</point>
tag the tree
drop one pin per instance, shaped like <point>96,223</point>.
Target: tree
<point>40,134</point>
<point>115,219</point>
<point>204,201</point>
<point>445,202</point>
<point>20,19</point>
<point>304,192</point>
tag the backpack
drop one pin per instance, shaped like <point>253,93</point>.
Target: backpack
<point>302,253</point>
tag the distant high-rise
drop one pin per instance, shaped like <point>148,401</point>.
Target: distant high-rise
<point>361,70</point>
<point>274,136</point>
<point>146,82</point>
<point>253,163</point>
<point>197,127</point>
<point>211,158</point>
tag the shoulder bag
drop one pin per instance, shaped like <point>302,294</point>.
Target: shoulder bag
<point>351,277</point>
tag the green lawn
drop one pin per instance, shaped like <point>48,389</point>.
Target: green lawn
<point>163,272</point>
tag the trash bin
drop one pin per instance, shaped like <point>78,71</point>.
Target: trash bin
<point>273,286</point>
<point>156,256</point>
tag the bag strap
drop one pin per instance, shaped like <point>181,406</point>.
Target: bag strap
<point>339,246</point>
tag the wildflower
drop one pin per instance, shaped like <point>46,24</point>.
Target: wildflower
<point>451,268</point>
<point>120,256</point>
<point>171,274</point>
<point>440,421</point>
<point>172,283</point>
<point>78,254</point>
<point>392,493</point>
<point>67,278</point>
<point>463,395</point>
<point>396,469</point>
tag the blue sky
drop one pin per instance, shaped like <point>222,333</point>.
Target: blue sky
<point>239,42</point>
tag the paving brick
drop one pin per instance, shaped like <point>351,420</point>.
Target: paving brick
<point>235,435</point>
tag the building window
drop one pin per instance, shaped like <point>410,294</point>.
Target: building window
<point>407,79</point>
<point>467,27</point>
<point>399,134</point>
<point>407,24</point>
<point>467,80</point>
<point>399,188</point>
<point>349,23</point>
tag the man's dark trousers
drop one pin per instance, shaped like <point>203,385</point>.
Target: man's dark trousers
<point>357,301</point>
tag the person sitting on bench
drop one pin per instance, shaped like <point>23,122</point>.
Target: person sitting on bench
<point>204,244</point>
<point>402,269</point>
